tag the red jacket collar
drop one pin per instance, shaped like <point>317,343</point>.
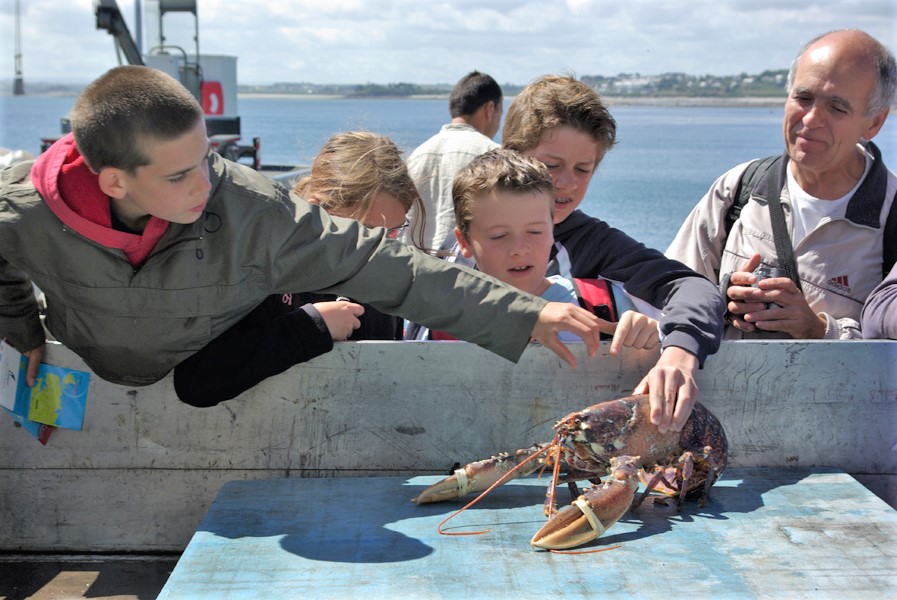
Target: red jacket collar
<point>72,191</point>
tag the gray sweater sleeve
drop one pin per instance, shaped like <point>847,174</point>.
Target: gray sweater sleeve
<point>349,260</point>
<point>880,311</point>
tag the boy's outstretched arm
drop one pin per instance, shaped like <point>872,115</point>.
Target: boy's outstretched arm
<point>563,316</point>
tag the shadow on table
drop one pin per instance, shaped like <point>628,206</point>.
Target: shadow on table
<point>370,534</point>
<point>330,525</point>
<point>320,519</point>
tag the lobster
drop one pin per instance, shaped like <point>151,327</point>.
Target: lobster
<point>617,437</point>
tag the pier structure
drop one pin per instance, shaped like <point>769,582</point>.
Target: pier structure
<point>18,86</point>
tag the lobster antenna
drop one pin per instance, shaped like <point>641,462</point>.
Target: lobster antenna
<point>500,481</point>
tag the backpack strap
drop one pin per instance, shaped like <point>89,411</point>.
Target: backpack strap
<point>782,239</point>
<point>749,179</point>
<point>765,177</point>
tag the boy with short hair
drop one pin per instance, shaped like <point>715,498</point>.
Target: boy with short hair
<point>564,124</point>
<point>503,210</point>
<point>147,246</point>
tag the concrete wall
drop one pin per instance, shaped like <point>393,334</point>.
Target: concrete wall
<point>143,471</point>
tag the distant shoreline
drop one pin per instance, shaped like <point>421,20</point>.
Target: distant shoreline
<point>667,101</point>
<point>759,101</point>
<point>694,101</point>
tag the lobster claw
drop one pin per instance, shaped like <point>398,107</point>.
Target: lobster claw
<point>480,475</point>
<point>593,512</point>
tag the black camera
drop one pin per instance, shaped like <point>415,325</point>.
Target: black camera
<point>768,273</point>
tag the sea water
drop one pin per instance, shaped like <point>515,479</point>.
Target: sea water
<point>665,159</point>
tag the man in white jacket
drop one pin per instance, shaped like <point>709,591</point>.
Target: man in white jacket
<point>836,194</point>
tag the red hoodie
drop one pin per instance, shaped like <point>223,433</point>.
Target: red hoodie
<point>72,191</point>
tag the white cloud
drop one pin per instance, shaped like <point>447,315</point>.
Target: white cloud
<point>344,41</point>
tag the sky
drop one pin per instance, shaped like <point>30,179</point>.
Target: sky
<point>438,41</point>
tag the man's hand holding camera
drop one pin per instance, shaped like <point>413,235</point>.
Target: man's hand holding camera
<point>756,300</point>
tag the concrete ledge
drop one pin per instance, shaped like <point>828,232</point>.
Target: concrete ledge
<point>141,474</point>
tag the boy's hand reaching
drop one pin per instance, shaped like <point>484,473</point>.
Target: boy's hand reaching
<point>672,389</point>
<point>340,317</point>
<point>563,316</point>
<point>635,330</point>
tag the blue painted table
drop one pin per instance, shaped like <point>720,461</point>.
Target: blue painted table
<point>787,533</point>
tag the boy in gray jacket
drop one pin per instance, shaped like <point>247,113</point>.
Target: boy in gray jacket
<point>147,246</point>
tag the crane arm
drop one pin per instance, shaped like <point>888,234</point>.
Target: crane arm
<point>109,17</point>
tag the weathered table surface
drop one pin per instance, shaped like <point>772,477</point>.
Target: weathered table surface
<point>765,533</point>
